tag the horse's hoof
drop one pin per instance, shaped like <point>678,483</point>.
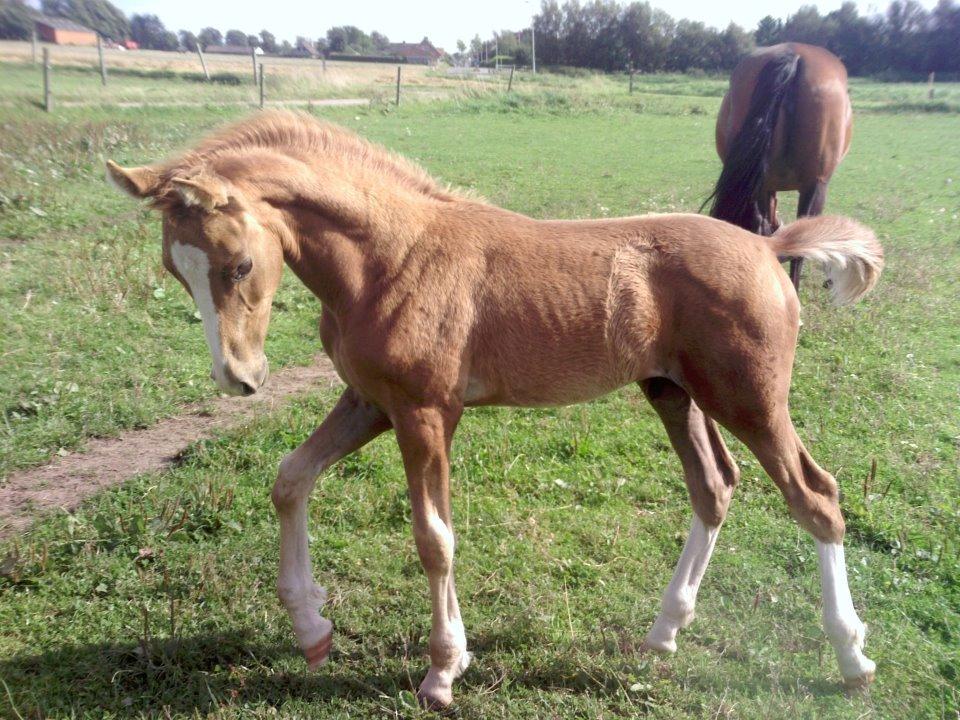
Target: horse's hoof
<point>862,681</point>
<point>435,699</point>
<point>318,654</point>
<point>661,647</point>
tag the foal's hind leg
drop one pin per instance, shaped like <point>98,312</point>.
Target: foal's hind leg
<point>812,201</point>
<point>812,495</point>
<point>711,475</point>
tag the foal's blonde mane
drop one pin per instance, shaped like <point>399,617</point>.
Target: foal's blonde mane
<point>303,136</point>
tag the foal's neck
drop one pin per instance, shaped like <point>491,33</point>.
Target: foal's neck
<point>347,228</point>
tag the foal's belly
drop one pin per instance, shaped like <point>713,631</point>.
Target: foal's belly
<point>532,380</point>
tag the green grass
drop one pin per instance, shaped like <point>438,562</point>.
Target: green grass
<point>558,580</point>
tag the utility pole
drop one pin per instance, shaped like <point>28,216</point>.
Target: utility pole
<point>533,46</point>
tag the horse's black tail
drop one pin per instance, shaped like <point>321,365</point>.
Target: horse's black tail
<point>737,192</point>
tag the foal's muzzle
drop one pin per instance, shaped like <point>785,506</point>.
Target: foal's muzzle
<point>241,379</point>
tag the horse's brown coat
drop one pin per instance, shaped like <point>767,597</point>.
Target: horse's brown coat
<point>434,301</point>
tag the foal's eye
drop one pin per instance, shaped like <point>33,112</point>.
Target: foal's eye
<point>243,269</point>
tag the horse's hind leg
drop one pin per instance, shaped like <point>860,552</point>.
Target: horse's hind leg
<point>812,495</point>
<point>812,201</point>
<point>711,475</point>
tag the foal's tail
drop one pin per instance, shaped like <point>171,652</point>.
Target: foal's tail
<point>848,251</point>
<point>737,191</point>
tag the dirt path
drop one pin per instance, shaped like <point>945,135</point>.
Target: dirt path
<point>66,482</point>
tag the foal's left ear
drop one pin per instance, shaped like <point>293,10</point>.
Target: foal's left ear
<point>203,191</point>
<point>140,182</point>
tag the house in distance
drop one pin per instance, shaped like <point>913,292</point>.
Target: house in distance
<point>421,53</point>
<point>61,31</point>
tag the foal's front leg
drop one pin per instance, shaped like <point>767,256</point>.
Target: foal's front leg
<point>349,426</point>
<point>424,436</point>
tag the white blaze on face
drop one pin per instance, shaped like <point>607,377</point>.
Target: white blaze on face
<point>194,267</point>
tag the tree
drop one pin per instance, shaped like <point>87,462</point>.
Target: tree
<point>149,32</point>
<point>268,41</point>
<point>337,39</point>
<point>852,37</point>
<point>210,36</point>
<point>235,37</point>
<point>379,40</point>
<point>349,38</point>
<point>943,38</point>
<point>769,31</point>
<point>15,20</point>
<point>694,45</point>
<point>99,15</point>
<point>188,40</point>
<point>807,26</point>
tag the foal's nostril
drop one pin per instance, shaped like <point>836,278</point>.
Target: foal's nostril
<point>247,389</point>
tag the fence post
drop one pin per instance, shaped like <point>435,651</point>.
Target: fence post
<point>47,94</point>
<point>261,86</point>
<point>103,66</point>
<point>253,59</point>
<point>324,61</point>
<point>631,80</point>
<point>930,79</point>
<point>510,81</point>
<point>203,63</point>
<point>398,85</point>
<point>34,45</point>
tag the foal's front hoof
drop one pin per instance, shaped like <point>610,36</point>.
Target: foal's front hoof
<point>436,690</point>
<point>317,654</point>
<point>434,701</point>
<point>661,647</point>
<point>866,675</point>
<point>862,682</point>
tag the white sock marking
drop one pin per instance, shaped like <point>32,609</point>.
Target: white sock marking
<point>680,597</point>
<point>840,620</point>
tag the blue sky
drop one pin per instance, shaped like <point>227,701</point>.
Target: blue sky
<point>443,22</point>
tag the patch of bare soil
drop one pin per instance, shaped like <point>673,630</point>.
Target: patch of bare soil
<point>64,483</point>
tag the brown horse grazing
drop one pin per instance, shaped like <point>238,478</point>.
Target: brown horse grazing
<point>434,301</point>
<point>784,124</point>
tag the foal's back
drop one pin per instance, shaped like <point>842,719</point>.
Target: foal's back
<point>565,311</point>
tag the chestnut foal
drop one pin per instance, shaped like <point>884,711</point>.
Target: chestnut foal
<point>434,301</point>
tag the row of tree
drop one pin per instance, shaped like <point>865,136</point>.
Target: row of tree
<point>605,35</point>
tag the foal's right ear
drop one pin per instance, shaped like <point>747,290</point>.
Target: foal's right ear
<point>140,182</point>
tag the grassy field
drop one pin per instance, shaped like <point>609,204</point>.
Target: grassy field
<point>157,599</point>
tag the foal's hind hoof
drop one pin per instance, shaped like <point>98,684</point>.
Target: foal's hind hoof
<point>317,654</point>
